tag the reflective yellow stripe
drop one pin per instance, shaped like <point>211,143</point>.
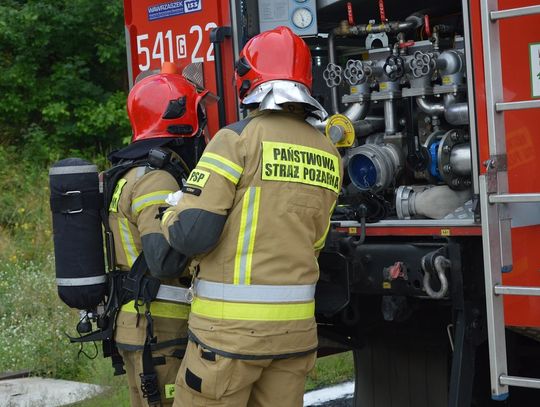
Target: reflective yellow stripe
<point>319,244</point>
<point>246,236</point>
<point>113,207</point>
<point>166,216</point>
<point>128,243</point>
<point>222,166</point>
<point>161,309</point>
<point>251,311</point>
<point>154,198</point>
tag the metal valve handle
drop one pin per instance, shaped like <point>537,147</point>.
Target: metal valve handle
<point>332,75</point>
<point>355,72</point>
<point>421,64</point>
<point>394,67</point>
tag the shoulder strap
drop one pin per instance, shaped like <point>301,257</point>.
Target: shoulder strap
<point>110,179</point>
<point>113,175</point>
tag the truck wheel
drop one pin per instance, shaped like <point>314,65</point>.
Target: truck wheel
<point>401,373</point>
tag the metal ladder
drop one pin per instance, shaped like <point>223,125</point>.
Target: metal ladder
<point>494,201</point>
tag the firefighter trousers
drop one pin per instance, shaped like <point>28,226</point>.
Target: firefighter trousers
<point>166,374</point>
<point>208,379</point>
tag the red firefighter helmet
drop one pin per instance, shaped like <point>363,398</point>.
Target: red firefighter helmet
<point>278,54</point>
<point>164,105</point>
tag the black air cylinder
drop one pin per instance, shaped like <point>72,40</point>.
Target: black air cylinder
<point>78,240</point>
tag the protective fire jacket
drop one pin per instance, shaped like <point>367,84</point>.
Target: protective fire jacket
<point>256,210</point>
<point>134,221</point>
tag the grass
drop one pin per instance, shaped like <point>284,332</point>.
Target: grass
<point>100,372</point>
<point>33,320</point>
<point>331,370</point>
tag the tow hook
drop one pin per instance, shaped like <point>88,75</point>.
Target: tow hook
<point>435,264</point>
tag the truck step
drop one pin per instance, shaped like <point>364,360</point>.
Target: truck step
<point>520,381</point>
<point>516,290</point>
<point>513,198</point>
<point>514,12</point>
<point>519,105</point>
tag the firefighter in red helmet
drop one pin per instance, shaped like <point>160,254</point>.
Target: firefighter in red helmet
<point>255,214</point>
<point>167,119</point>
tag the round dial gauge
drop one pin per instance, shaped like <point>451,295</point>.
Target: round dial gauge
<point>302,17</point>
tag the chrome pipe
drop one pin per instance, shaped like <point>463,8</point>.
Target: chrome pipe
<point>454,113</point>
<point>368,126</point>
<point>332,60</point>
<point>390,126</point>
<point>392,27</point>
<point>457,114</point>
<point>429,108</point>
<point>356,111</point>
<point>460,160</point>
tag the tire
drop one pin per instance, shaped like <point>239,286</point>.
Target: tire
<point>401,373</point>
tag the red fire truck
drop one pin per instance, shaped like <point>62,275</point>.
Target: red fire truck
<point>431,269</point>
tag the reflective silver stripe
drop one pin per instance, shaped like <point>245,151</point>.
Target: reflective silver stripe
<point>73,169</point>
<point>248,231</point>
<point>254,293</point>
<point>72,282</point>
<point>151,199</point>
<point>174,294</point>
<point>221,165</point>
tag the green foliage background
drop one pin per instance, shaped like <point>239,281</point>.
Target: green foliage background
<point>63,77</point>
<point>63,88</point>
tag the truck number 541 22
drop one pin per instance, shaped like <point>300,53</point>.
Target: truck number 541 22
<point>167,46</point>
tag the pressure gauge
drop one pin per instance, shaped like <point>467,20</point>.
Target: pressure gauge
<point>302,17</point>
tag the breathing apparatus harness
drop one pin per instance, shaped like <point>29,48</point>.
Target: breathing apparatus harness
<point>136,285</point>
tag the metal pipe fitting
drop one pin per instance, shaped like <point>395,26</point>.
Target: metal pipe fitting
<point>405,200</point>
<point>454,113</point>
<point>373,167</point>
<point>433,202</point>
<point>429,108</point>
<point>390,122</point>
<point>460,160</point>
<point>449,62</point>
<point>332,60</point>
<point>355,112</point>
<point>457,114</point>
<point>391,27</point>
<point>368,126</point>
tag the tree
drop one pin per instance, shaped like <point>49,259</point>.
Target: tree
<point>63,82</point>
